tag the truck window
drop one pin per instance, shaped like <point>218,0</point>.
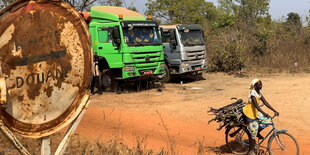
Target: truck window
<point>104,36</point>
<point>141,36</point>
<point>191,37</point>
<point>166,37</point>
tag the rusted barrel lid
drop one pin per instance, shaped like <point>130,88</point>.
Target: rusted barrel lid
<point>45,53</point>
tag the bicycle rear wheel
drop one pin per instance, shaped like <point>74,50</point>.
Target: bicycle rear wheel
<point>283,143</point>
<point>238,139</point>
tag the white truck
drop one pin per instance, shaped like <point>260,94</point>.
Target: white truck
<point>185,52</point>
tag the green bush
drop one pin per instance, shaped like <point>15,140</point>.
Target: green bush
<point>229,59</point>
<point>260,47</point>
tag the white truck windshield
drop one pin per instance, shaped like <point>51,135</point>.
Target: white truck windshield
<point>191,37</point>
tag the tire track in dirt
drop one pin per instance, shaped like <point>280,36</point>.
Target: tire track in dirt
<point>183,110</point>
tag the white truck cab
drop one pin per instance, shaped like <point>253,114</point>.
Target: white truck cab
<point>184,49</point>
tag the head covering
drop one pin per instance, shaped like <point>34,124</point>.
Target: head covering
<point>253,82</point>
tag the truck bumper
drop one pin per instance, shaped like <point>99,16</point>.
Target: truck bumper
<point>189,67</point>
<point>138,71</point>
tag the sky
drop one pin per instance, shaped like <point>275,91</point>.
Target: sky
<point>278,8</point>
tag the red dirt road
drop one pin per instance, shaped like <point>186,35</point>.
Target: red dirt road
<point>176,118</point>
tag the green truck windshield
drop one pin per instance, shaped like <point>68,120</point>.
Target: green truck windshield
<point>191,37</point>
<point>141,36</point>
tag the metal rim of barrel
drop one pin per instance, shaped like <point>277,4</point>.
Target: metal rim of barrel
<point>80,99</point>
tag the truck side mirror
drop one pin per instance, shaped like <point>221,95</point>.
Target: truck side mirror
<point>203,34</point>
<point>173,40</point>
<point>161,31</point>
<point>116,36</point>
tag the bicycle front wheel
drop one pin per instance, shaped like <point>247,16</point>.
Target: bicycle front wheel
<point>283,143</point>
<point>238,139</point>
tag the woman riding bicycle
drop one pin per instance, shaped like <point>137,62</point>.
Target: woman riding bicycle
<point>254,114</point>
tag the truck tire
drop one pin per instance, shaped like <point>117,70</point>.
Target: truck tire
<point>105,79</point>
<point>166,77</point>
<point>198,76</point>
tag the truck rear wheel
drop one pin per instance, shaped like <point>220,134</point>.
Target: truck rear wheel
<point>166,77</point>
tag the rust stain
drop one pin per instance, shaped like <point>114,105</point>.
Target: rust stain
<point>34,91</point>
<point>20,98</point>
<point>49,91</point>
<point>41,67</point>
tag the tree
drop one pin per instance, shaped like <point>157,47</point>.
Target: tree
<point>85,5</point>
<point>5,3</point>
<point>133,8</point>
<point>113,3</point>
<point>246,11</point>
<point>293,22</point>
<point>308,19</point>
<point>223,19</point>
<point>182,11</point>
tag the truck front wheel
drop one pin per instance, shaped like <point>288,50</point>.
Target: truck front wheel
<point>198,76</point>
<point>107,80</point>
<point>166,77</point>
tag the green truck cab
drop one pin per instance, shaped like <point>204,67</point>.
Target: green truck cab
<point>126,45</point>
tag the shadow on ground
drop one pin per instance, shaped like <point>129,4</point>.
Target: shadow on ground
<point>185,80</point>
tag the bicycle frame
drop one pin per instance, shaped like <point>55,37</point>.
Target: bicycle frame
<point>243,142</point>
<point>273,131</point>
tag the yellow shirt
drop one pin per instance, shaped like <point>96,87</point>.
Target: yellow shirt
<point>249,109</point>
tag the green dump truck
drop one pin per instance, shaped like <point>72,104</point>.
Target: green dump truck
<point>127,46</point>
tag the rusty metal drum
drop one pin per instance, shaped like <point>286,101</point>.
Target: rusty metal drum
<point>45,54</point>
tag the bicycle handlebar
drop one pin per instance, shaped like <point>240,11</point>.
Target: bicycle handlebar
<point>272,119</point>
<point>273,116</point>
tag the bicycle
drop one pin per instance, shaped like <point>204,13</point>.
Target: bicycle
<point>279,142</point>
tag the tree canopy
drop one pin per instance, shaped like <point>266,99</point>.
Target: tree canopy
<point>293,22</point>
<point>113,3</point>
<point>182,11</point>
<point>246,11</point>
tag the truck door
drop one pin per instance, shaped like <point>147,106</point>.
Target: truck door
<point>107,46</point>
<point>171,48</point>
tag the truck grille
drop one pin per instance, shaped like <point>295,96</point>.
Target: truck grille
<point>146,59</point>
<point>195,55</point>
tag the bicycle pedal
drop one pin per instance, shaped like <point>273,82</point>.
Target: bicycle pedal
<point>257,148</point>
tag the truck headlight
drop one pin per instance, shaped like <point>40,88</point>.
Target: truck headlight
<point>185,65</point>
<point>204,62</point>
<point>129,68</point>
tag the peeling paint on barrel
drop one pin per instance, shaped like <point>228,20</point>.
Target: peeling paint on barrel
<point>46,54</point>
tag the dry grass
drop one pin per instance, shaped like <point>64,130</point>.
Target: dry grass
<point>114,146</point>
<point>170,140</point>
<point>287,53</point>
<point>78,145</point>
<point>278,50</point>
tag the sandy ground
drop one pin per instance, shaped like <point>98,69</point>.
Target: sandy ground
<point>176,119</point>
